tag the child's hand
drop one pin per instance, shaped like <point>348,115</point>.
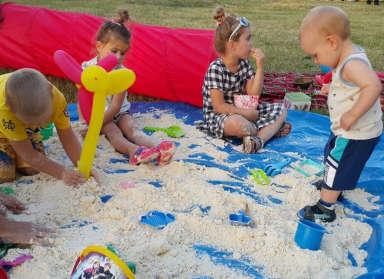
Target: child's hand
<point>96,176</point>
<point>72,177</point>
<point>23,232</point>
<point>325,89</point>
<point>251,114</point>
<point>347,120</point>
<point>258,55</point>
<point>11,203</point>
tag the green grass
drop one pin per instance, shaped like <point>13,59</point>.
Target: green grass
<point>275,23</point>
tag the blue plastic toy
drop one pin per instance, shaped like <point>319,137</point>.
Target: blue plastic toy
<point>72,111</point>
<point>105,198</point>
<point>309,168</point>
<point>279,188</point>
<point>157,219</point>
<point>325,69</point>
<point>240,219</point>
<point>276,168</point>
<point>309,234</point>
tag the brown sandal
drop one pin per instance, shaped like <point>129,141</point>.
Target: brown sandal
<point>281,132</point>
<point>252,144</point>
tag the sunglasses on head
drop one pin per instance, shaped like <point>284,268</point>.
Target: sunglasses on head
<point>243,22</point>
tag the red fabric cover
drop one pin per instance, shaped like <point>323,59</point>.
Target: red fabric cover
<point>30,35</point>
<point>169,63</point>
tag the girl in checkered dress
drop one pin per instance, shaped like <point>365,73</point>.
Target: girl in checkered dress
<point>231,74</point>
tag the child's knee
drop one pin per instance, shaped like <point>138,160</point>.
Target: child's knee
<point>7,163</point>
<point>7,172</point>
<point>240,130</point>
<point>238,126</point>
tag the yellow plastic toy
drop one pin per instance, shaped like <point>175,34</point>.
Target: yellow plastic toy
<point>102,83</point>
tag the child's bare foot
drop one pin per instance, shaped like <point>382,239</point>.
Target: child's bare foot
<point>284,130</point>
<point>252,144</point>
<point>144,155</point>
<point>167,149</point>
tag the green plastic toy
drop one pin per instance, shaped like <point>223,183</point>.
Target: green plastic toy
<point>7,190</point>
<point>173,131</point>
<point>130,265</point>
<point>47,132</point>
<point>260,177</point>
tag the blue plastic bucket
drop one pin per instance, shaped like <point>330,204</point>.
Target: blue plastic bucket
<point>309,234</point>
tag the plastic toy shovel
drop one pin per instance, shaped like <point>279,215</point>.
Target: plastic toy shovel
<point>276,168</point>
<point>173,131</point>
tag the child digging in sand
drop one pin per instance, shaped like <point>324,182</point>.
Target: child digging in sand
<point>27,102</point>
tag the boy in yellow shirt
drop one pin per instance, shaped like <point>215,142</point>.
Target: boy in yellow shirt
<point>29,101</point>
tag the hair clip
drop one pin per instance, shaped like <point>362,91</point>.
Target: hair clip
<point>243,22</point>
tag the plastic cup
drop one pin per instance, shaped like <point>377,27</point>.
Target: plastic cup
<point>246,101</point>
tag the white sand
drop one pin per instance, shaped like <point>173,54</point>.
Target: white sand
<point>168,253</point>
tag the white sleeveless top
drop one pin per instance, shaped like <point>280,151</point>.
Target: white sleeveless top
<point>342,97</point>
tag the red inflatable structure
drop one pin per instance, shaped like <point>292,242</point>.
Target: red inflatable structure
<point>169,63</point>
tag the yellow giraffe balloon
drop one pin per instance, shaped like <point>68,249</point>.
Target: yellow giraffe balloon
<point>102,83</point>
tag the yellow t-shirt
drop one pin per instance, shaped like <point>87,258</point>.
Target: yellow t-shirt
<point>13,129</point>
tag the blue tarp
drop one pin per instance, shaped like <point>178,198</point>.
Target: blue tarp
<point>309,135</point>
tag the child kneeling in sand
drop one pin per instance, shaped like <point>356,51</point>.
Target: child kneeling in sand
<point>29,101</point>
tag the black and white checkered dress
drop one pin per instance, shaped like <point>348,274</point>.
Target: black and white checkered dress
<point>219,77</point>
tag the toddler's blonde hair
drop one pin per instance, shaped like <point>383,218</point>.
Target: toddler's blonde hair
<point>328,20</point>
<point>28,92</point>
